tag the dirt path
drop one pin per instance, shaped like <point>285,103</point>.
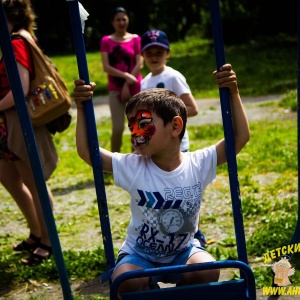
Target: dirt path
<point>209,109</point>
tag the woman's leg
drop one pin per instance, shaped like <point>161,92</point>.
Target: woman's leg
<point>28,178</point>
<point>117,111</point>
<point>12,182</point>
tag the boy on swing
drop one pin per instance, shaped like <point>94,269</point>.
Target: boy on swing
<point>165,184</point>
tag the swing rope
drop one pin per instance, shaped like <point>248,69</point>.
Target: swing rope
<point>30,142</point>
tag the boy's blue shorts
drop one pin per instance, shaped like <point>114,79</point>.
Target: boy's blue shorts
<point>181,259</point>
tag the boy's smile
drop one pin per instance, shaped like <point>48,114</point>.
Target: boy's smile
<point>156,58</point>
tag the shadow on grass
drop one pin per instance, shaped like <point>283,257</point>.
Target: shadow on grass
<point>92,287</point>
<point>80,266</point>
<point>89,183</point>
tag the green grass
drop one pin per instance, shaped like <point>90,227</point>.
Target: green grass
<point>259,68</point>
<point>267,169</point>
<point>269,207</point>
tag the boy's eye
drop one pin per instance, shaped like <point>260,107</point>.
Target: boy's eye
<point>151,54</point>
<point>144,123</point>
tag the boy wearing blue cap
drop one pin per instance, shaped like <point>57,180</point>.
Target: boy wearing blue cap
<point>155,49</point>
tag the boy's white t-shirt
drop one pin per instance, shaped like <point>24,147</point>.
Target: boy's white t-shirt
<point>174,81</point>
<point>164,205</point>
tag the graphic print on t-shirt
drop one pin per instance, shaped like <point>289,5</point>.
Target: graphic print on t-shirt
<point>118,59</point>
<point>169,220</point>
<point>160,85</point>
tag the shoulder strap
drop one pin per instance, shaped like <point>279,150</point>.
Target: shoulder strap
<point>21,35</point>
<point>41,63</point>
<point>38,56</point>
<point>29,40</point>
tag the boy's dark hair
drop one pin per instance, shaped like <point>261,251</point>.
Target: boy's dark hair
<point>164,103</point>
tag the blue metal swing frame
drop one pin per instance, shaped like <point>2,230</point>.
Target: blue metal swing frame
<point>243,288</point>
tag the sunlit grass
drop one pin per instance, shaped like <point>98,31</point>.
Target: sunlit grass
<point>195,59</point>
<point>267,169</point>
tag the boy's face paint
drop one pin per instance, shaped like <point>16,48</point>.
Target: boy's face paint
<point>141,127</point>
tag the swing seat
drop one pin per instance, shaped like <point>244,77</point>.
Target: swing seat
<point>240,289</point>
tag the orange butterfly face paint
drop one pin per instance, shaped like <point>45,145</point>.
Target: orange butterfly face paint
<point>141,127</point>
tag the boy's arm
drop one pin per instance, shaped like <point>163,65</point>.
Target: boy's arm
<point>190,103</point>
<point>227,78</point>
<point>83,93</point>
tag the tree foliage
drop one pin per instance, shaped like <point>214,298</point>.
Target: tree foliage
<point>242,21</point>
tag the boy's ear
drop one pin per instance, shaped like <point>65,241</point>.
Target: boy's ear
<point>168,53</point>
<point>177,125</point>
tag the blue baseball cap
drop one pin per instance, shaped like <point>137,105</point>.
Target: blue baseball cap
<point>155,37</point>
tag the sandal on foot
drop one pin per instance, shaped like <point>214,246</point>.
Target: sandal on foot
<point>24,246</point>
<point>35,258</point>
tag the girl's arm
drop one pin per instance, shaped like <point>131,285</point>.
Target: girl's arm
<point>130,79</point>
<point>139,64</point>
<point>136,70</point>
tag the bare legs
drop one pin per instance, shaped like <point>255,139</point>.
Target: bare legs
<point>137,284</point>
<point>201,276</point>
<point>117,111</point>
<point>18,180</point>
<point>12,182</point>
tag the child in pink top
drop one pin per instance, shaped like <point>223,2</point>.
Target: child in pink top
<point>123,62</point>
<point>122,56</point>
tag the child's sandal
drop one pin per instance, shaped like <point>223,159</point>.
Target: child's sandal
<point>35,258</point>
<point>24,246</point>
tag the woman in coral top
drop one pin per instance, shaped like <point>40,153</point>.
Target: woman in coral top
<point>122,61</point>
<point>15,171</point>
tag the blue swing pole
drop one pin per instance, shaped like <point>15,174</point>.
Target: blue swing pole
<point>92,134</point>
<point>296,236</point>
<point>27,130</point>
<point>228,135</point>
